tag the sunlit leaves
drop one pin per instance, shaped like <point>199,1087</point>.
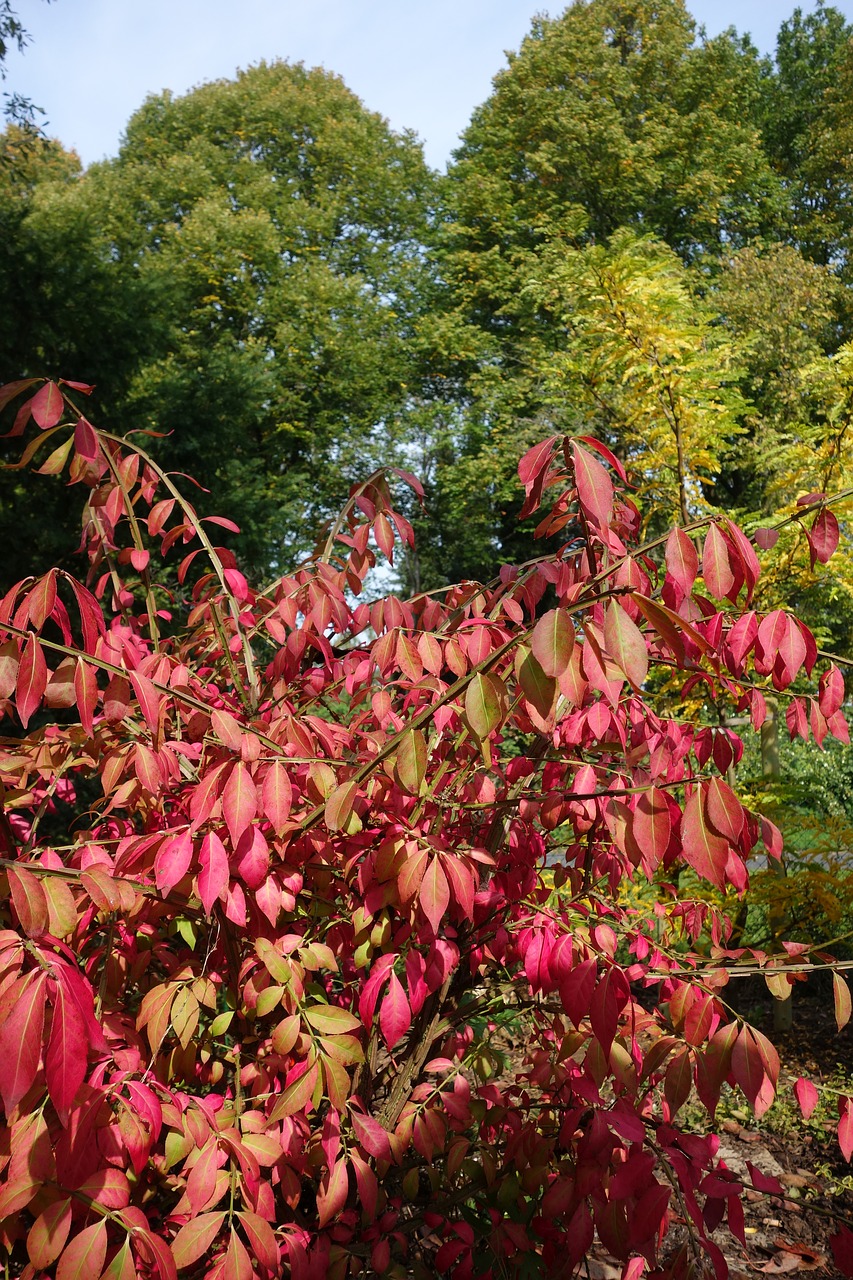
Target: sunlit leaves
<point>484,698</point>
<point>21,1039</point>
<point>552,641</point>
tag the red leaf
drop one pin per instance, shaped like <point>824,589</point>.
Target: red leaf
<point>535,461</point>
<point>716,565</point>
<point>238,1264</point>
<point>48,1234</point>
<point>239,801</point>
<point>595,488</point>
<point>823,538</point>
<point>85,693</point>
<point>651,827</point>
<point>772,838</point>
<point>173,861</point>
<point>277,796</point>
<point>552,641</point>
<point>766,538</point>
<point>607,454</point>
<point>705,850</point>
<point>86,444</point>
<point>21,1041</point>
<point>213,876</point>
<point>725,812</point>
<point>42,599</point>
<point>831,691</point>
<point>340,812</point>
<point>845,1128</point>
<point>807,1096</point>
<point>842,1250</point>
<point>371,1136</point>
<point>332,1196</point>
<point>91,617</point>
<point>434,894</point>
<point>755,1067</point>
<point>195,1238</point>
<point>262,1240</point>
<point>841,998</point>
<point>67,1053</point>
<point>576,990</point>
<point>46,406</point>
<point>32,680</point>
<point>29,900</point>
<point>763,1182</point>
<point>395,1016</point>
<point>625,644</point>
<point>682,561</point>
<point>253,858</point>
<point>84,1256</point>
<point>648,1214</point>
<point>201,1182</point>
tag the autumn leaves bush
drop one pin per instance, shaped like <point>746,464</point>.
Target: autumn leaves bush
<point>307,838</point>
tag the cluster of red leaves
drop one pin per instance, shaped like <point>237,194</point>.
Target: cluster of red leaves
<point>246,999</point>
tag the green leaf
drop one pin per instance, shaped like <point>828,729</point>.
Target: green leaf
<point>329,1020</point>
<point>484,700</point>
<point>552,641</point>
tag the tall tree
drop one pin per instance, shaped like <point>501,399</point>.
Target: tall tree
<point>807,129</point>
<point>610,116</point>
<point>262,239</point>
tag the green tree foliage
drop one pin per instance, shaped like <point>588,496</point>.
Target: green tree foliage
<point>807,129</point>
<point>613,124</point>
<point>262,243</point>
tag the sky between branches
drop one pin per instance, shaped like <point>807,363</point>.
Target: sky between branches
<point>424,64</point>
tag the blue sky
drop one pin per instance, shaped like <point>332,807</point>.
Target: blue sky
<point>424,64</point>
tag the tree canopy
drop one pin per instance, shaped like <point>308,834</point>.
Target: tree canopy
<point>262,242</point>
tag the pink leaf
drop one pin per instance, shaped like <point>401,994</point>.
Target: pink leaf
<point>46,406</point>
<point>395,1015</point>
<point>807,1096</point>
<point>682,561</point>
<point>195,1238</point>
<point>371,1136</point>
<point>705,850</point>
<point>552,641</point>
<point>625,644</point>
<point>239,801</point>
<point>716,564</point>
<point>213,876</point>
<point>595,488</point>
<point>434,894</point>
<point>173,861</point>
<point>67,1053</point>
<point>823,538</point>
<point>845,1128</point>
<point>21,1041</point>
<point>84,1256</point>
<point>277,796</point>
